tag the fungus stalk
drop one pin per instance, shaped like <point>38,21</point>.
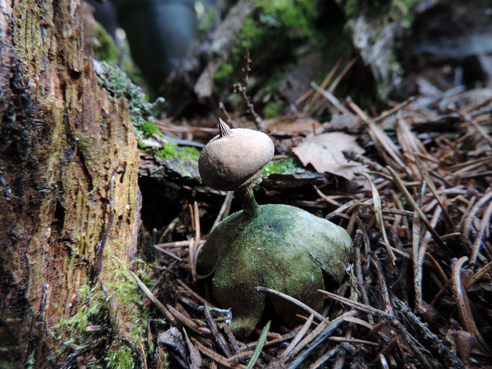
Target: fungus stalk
<point>250,206</point>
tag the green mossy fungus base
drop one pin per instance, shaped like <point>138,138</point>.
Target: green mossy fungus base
<point>284,248</point>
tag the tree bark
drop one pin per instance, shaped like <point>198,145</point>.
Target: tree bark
<point>62,137</point>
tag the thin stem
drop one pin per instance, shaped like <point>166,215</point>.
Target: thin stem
<point>250,206</point>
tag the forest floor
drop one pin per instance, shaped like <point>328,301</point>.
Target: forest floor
<point>411,185</point>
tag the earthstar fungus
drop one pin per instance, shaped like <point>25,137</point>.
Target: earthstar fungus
<point>234,158</point>
<point>276,246</point>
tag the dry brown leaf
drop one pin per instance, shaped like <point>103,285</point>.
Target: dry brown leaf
<point>324,153</point>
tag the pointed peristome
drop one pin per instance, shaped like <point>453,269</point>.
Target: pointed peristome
<point>224,129</point>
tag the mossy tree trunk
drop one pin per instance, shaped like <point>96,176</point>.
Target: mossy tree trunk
<point>62,137</point>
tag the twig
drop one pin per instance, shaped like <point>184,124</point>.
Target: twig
<point>357,305</point>
<point>188,302</point>
<point>214,356</point>
<point>380,138</point>
<point>375,331</point>
<point>298,337</point>
<point>291,300</point>
<point>240,88</point>
<point>188,323</point>
<point>170,253</point>
<point>240,356</point>
<point>465,165</point>
<point>484,225</point>
<point>168,229</point>
<point>327,331</point>
<point>154,299</point>
<point>232,340</point>
<point>485,102</point>
<point>193,293</point>
<point>359,322</point>
<point>353,220</point>
<point>344,347</point>
<point>410,199</point>
<point>479,274</point>
<point>342,208</point>
<point>404,220</point>
<point>195,357</point>
<point>441,291</point>
<point>462,224</point>
<point>432,187</point>
<point>471,216</point>
<point>228,117</point>
<point>394,110</point>
<point>342,74</point>
<point>181,129</point>
<point>327,80</point>
<point>417,267</point>
<point>192,254</point>
<point>332,99</point>
<point>436,345</point>
<point>383,287</point>
<point>273,342</point>
<point>358,271</point>
<point>324,358</point>
<point>420,261</point>
<point>352,155</point>
<point>379,217</point>
<point>405,213</point>
<point>391,344</point>
<point>474,123</point>
<point>224,210</point>
<point>464,310</point>
<point>304,97</point>
<point>305,341</point>
<point>169,245</point>
<point>353,340</point>
<point>215,333</point>
<point>440,273</point>
<point>326,198</point>
<point>412,342</point>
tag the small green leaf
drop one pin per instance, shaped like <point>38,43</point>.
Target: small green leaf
<point>259,346</point>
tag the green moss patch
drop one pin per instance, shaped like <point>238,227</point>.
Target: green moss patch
<point>119,85</point>
<point>150,128</point>
<point>277,24</point>
<point>288,165</point>
<point>105,49</point>
<point>180,160</point>
<point>121,297</point>
<point>272,110</point>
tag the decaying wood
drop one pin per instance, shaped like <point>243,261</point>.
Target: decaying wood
<point>223,40</point>
<point>63,138</point>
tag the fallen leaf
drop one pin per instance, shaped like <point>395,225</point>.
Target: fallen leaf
<point>324,153</point>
